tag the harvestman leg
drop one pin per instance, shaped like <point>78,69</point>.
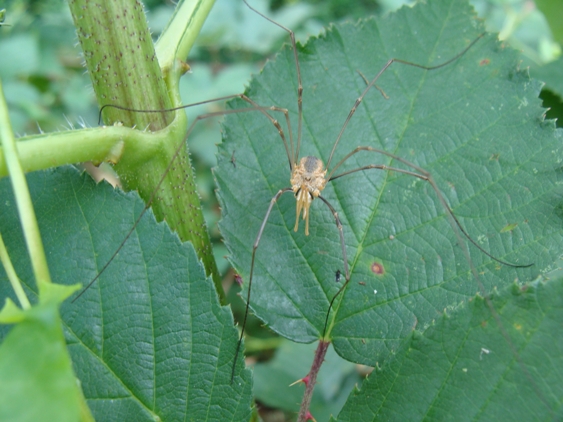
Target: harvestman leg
<point>255,107</point>
<point>374,80</point>
<point>423,175</point>
<point>299,84</point>
<point>457,227</point>
<point>254,248</point>
<point>292,156</point>
<point>344,255</point>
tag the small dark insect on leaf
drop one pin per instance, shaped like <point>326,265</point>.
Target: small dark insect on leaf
<point>338,276</point>
<point>233,159</point>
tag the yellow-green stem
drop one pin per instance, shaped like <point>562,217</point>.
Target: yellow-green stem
<point>23,198</point>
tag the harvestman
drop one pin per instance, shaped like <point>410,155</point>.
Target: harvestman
<point>309,174</point>
<point>309,177</point>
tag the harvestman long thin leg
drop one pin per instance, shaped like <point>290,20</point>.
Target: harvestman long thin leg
<point>256,107</point>
<point>299,84</point>
<point>457,227</point>
<point>293,158</point>
<point>254,247</point>
<point>374,80</point>
<point>423,175</point>
<point>344,255</point>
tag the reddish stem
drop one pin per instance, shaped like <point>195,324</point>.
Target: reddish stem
<point>320,353</point>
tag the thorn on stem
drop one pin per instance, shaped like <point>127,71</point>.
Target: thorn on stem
<point>302,380</point>
<point>309,417</point>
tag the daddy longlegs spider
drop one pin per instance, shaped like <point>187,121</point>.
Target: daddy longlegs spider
<point>302,170</point>
<point>280,304</point>
<point>309,177</point>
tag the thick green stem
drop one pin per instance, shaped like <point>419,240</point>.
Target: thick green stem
<point>124,69</point>
<point>121,61</point>
<point>100,144</point>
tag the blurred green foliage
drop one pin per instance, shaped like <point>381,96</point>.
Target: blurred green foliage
<point>41,68</point>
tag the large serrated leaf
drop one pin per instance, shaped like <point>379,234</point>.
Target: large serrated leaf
<point>475,124</point>
<point>149,340</point>
<point>463,369</point>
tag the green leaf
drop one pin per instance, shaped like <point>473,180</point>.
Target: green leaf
<point>462,368</point>
<point>148,340</point>
<point>476,125</point>
<point>36,378</point>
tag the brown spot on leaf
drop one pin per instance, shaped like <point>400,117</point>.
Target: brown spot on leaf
<point>484,62</point>
<point>377,268</point>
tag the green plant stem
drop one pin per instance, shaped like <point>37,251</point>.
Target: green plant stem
<point>121,61</point>
<point>100,144</point>
<point>124,69</point>
<point>23,198</point>
<point>12,276</point>
<point>178,38</point>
